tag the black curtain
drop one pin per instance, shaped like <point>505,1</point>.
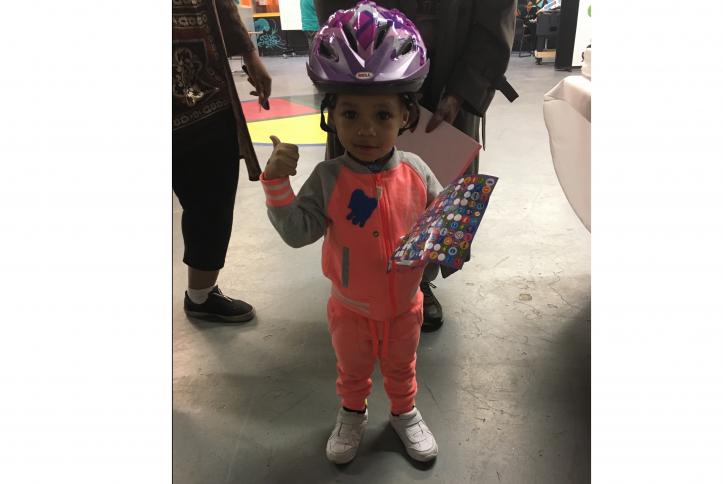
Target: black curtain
<point>566,34</point>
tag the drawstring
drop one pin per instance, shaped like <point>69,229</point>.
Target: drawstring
<point>375,338</point>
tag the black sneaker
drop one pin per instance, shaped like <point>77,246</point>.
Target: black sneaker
<point>433,316</point>
<point>219,308</point>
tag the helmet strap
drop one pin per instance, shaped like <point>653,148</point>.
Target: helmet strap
<point>411,102</point>
<point>327,103</point>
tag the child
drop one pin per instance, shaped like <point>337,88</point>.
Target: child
<point>369,61</point>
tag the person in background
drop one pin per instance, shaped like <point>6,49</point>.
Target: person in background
<point>469,44</point>
<point>309,21</point>
<point>209,138</point>
<point>530,11</point>
<point>529,20</point>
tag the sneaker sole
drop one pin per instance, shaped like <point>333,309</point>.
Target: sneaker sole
<point>431,327</point>
<point>415,455</point>
<point>424,458</point>
<point>213,317</point>
<point>334,460</point>
<point>421,457</point>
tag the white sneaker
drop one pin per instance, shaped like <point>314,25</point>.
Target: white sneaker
<point>415,435</point>
<point>346,436</point>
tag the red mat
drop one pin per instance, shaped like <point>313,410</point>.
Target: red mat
<point>280,108</point>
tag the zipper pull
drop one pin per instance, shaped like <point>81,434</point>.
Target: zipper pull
<point>378,185</point>
<point>389,266</point>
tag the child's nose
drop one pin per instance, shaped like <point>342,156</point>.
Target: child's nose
<point>366,129</point>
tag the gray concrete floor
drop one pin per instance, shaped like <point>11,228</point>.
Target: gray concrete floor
<point>504,385</point>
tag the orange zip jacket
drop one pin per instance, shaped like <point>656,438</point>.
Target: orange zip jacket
<point>362,215</point>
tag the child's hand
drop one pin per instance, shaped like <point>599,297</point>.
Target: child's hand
<point>282,161</point>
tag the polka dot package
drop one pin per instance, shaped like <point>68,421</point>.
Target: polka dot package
<point>444,232</point>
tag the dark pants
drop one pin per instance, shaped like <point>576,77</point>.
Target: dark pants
<point>310,38</point>
<point>205,177</point>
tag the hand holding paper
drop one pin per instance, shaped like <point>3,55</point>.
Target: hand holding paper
<point>447,110</point>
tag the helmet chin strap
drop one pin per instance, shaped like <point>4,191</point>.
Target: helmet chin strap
<point>328,102</point>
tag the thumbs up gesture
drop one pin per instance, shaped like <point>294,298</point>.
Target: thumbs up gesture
<point>282,161</point>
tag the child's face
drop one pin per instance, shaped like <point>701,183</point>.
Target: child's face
<point>368,125</point>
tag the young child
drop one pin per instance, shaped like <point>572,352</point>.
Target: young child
<point>369,61</point>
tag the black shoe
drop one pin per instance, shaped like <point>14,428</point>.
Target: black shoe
<point>433,316</point>
<point>219,308</point>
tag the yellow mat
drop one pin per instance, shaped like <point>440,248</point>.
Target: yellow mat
<point>298,130</point>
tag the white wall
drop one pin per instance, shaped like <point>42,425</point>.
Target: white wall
<point>290,12</point>
<point>583,33</point>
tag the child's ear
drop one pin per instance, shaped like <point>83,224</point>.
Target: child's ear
<point>405,117</point>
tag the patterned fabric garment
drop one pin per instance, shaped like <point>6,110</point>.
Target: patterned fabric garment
<point>199,86</point>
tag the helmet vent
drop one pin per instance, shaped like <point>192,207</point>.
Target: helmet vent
<point>381,33</point>
<point>326,51</point>
<point>406,47</point>
<point>349,36</point>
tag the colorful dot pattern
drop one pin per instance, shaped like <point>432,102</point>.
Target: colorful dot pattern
<point>444,232</point>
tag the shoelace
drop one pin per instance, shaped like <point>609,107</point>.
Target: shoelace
<point>219,293</point>
<point>427,287</point>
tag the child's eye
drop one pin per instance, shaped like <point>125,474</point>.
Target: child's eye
<point>384,115</point>
<point>349,114</point>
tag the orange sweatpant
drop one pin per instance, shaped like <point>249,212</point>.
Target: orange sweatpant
<point>358,342</point>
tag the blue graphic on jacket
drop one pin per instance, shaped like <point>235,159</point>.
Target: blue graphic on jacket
<point>361,207</point>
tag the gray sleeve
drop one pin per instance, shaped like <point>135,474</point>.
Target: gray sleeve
<point>434,188</point>
<point>425,172</point>
<point>303,221</point>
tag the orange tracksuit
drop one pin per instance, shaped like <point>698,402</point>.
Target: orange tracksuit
<point>362,215</point>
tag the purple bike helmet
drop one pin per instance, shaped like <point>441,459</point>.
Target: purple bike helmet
<point>368,49</point>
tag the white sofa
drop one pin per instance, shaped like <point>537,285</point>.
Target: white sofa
<point>567,113</point>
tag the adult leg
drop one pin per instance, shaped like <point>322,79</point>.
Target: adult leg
<point>471,125</point>
<point>205,177</point>
<point>198,279</point>
<point>433,312</point>
<point>309,38</point>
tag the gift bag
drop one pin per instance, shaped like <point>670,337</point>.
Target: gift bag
<point>444,232</point>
